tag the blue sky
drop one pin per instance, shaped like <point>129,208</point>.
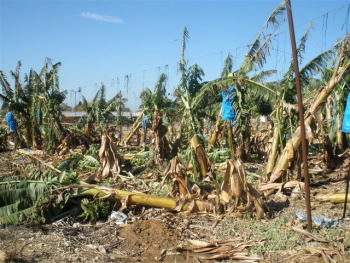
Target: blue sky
<point>103,41</point>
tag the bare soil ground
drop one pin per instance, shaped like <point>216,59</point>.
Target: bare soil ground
<point>153,235</point>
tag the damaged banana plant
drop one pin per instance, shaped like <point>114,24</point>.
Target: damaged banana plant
<point>183,189</point>
<point>161,147</point>
<point>35,106</point>
<point>341,69</point>
<point>109,159</point>
<point>236,190</point>
<point>205,167</point>
<point>125,140</point>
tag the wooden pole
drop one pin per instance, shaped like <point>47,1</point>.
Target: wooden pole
<point>346,192</point>
<point>301,114</point>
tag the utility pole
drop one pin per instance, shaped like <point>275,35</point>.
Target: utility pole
<point>301,114</point>
<point>75,101</point>
<point>120,114</point>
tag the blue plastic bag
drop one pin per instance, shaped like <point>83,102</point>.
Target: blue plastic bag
<point>346,120</point>
<point>11,122</point>
<point>144,121</point>
<point>165,120</point>
<point>227,100</point>
<point>318,220</point>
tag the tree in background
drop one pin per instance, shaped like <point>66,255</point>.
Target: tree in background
<point>35,105</point>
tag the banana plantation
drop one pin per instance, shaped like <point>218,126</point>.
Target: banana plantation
<point>212,172</point>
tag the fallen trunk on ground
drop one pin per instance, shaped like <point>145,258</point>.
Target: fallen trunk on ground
<point>141,199</point>
<point>335,198</point>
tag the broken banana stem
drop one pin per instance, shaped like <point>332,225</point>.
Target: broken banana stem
<point>143,199</point>
<point>200,156</point>
<point>335,198</point>
<point>132,131</point>
<point>216,128</point>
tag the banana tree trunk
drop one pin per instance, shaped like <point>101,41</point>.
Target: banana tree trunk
<point>160,144</point>
<point>170,132</point>
<point>87,134</point>
<point>287,154</point>
<point>216,130</point>
<point>203,167</point>
<point>326,142</point>
<point>230,140</point>
<point>273,152</point>
<point>132,131</point>
<point>143,137</point>
<point>176,144</point>
<point>142,199</point>
<point>335,198</point>
<point>204,164</point>
<point>340,144</point>
<point>329,108</point>
<point>144,133</point>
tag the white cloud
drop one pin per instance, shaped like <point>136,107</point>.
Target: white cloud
<point>103,18</point>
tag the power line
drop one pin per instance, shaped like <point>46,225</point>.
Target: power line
<point>313,19</point>
<point>226,50</point>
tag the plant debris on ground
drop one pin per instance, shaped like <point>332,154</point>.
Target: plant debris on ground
<point>190,179</point>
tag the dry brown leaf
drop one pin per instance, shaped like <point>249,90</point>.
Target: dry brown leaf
<point>328,254</point>
<point>221,249</point>
<point>200,206</point>
<point>181,183</point>
<point>290,150</point>
<point>263,187</point>
<point>110,161</point>
<point>179,204</point>
<point>230,240</point>
<point>209,257</point>
<point>311,236</point>
<point>200,244</point>
<point>201,250</point>
<point>235,188</point>
<point>239,257</point>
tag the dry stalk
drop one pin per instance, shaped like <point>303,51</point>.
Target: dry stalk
<point>110,161</point>
<point>235,189</point>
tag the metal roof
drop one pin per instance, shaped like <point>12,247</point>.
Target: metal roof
<point>83,113</point>
<point>73,113</point>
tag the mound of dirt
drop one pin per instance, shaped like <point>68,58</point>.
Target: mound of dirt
<point>149,240</point>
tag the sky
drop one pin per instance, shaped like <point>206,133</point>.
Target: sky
<point>105,41</point>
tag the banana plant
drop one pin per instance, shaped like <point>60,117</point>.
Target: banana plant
<point>336,103</point>
<point>99,111</point>
<point>248,88</point>
<point>340,70</point>
<point>46,99</point>
<point>158,106</point>
<point>255,58</point>
<point>35,105</point>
